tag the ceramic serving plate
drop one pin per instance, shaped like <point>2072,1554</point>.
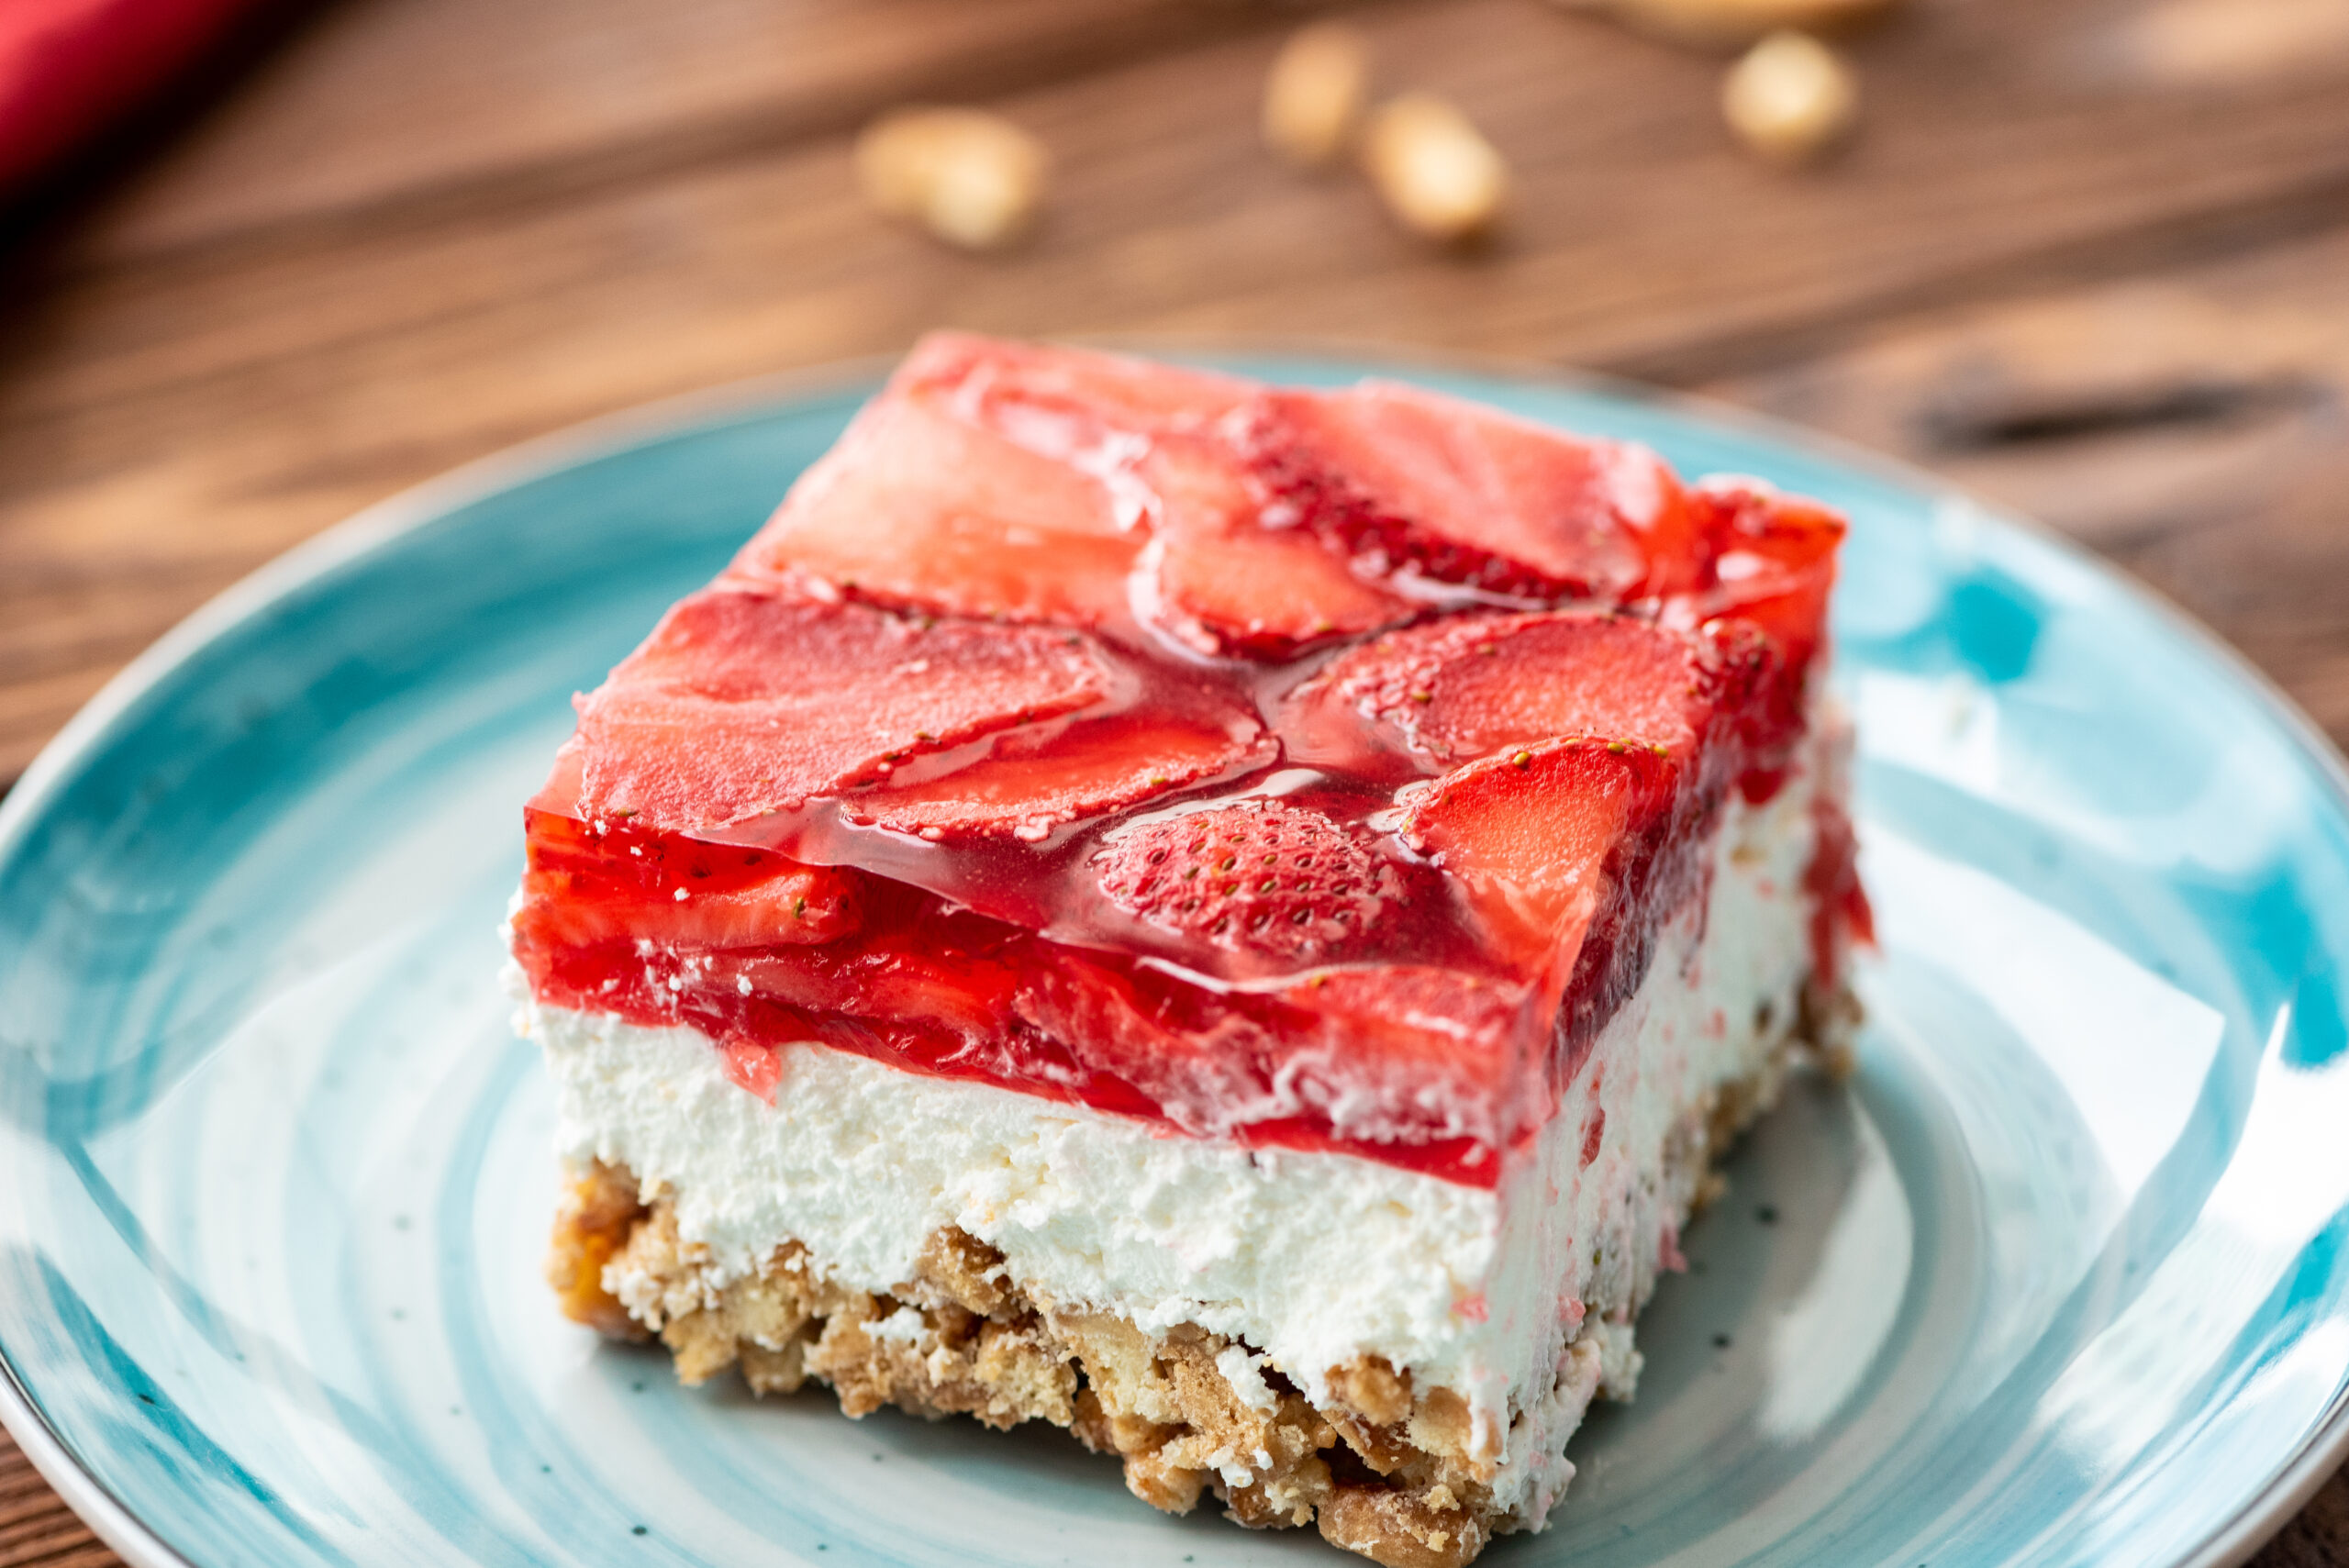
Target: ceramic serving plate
<point>2058,1277</point>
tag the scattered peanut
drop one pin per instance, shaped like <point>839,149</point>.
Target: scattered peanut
<point>1790,97</point>
<point>971,178</point>
<point>1720,22</point>
<point>1314,97</point>
<point>1437,172</point>
<point>2235,40</point>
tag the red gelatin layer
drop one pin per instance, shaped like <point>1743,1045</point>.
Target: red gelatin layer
<point>1308,769</point>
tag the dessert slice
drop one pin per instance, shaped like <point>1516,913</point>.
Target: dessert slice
<point>1232,920</point>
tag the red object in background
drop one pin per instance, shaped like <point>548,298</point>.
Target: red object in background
<point>69,67</point>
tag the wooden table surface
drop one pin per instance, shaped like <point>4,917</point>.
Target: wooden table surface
<point>2090,257</point>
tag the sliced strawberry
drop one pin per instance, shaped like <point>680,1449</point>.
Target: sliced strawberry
<point>1031,783</point>
<point>1216,579</point>
<point>1223,583</point>
<point>741,703</point>
<point>1773,561</point>
<point>1259,876</point>
<point>887,974</point>
<point>587,883</point>
<point>1408,482</point>
<point>1252,593</point>
<point>967,995</point>
<point>1432,1049</point>
<point>804,904</point>
<point>1462,687</point>
<point>794,905</point>
<point>1414,1011</point>
<point>1772,569</point>
<point>1206,1068</point>
<point>1076,404</point>
<point>916,507</point>
<point>1381,1055</point>
<point>1530,833</point>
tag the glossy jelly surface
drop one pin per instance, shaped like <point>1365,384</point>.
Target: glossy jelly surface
<point>1310,768</point>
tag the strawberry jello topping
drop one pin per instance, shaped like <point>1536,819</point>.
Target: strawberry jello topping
<point>1310,768</point>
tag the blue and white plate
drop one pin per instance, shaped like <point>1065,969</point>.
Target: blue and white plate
<point>2059,1277</point>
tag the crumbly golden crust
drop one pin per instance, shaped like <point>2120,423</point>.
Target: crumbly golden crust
<point>595,1217</point>
<point>1384,1468</point>
<point>960,1338</point>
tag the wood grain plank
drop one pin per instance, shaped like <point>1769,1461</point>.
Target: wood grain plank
<point>2190,425</point>
<point>37,1529</point>
<point>1639,229</point>
<point>2319,1538</point>
<point>391,107</point>
<point>1640,225</point>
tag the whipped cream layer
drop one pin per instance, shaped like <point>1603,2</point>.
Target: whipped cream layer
<point>1313,1258</point>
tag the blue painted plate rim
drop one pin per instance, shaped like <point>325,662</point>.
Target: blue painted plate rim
<point>2323,1450</point>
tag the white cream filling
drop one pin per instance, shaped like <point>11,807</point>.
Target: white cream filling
<point>1313,1260</point>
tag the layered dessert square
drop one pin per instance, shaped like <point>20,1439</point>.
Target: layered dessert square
<point>1230,920</point>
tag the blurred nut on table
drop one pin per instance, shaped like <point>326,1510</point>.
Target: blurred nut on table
<point>1719,23</point>
<point>1790,98</point>
<point>1314,94</point>
<point>973,179</point>
<point>1434,169</point>
<point>1313,99</point>
<point>976,181</point>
